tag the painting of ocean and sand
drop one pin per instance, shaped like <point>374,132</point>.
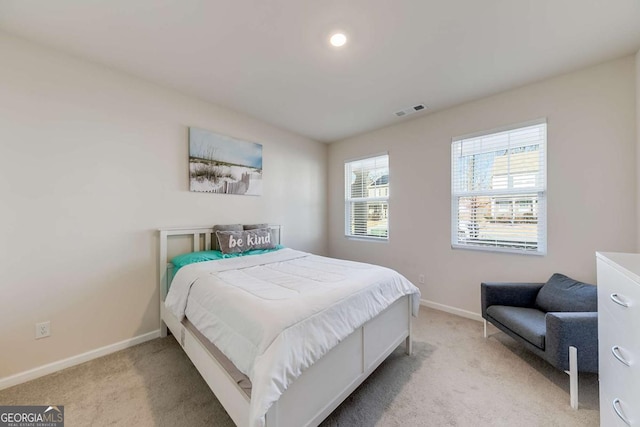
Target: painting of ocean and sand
<point>222,164</point>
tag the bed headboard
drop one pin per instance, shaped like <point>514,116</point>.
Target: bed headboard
<point>201,241</point>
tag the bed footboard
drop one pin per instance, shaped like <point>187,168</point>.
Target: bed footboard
<point>328,382</point>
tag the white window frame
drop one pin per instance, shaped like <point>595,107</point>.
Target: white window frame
<point>540,189</point>
<point>348,199</point>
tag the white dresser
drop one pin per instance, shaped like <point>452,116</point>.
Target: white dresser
<point>619,338</point>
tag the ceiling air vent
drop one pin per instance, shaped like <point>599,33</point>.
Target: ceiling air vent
<point>410,110</point>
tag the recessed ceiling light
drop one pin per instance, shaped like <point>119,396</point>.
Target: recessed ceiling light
<point>338,39</point>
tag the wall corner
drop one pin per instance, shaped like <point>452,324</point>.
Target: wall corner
<point>637,151</point>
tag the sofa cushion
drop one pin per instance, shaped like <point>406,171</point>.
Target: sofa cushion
<point>562,293</point>
<point>528,323</point>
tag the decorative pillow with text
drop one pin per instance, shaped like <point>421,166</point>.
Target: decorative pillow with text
<point>224,227</point>
<point>254,226</point>
<point>233,242</point>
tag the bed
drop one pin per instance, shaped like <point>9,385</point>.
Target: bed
<point>293,385</point>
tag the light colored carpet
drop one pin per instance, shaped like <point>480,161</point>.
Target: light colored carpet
<point>455,378</point>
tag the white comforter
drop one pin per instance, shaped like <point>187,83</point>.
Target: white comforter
<point>274,315</point>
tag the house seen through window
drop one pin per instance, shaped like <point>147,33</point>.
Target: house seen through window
<point>367,197</point>
<point>499,190</point>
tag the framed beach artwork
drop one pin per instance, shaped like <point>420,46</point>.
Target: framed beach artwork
<point>222,164</point>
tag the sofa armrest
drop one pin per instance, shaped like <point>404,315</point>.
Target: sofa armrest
<point>508,293</point>
<point>578,329</point>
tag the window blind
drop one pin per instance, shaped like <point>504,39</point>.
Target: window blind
<point>499,190</point>
<point>367,197</point>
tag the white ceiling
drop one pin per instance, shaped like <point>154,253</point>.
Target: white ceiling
<point>270,58</point>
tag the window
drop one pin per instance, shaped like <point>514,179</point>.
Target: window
<point>498,189</point>
<point>366,197</point>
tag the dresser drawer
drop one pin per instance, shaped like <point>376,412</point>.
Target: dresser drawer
<point>619,397</point>
<point>619,364</point>
<point>619,295</point>
<point>611,280</point>
<point>612,332</point>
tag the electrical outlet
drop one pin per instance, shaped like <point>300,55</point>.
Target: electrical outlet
<point>43,329</point>
<point>421,279</point>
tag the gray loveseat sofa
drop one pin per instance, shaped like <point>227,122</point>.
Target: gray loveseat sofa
<point>556,320</point>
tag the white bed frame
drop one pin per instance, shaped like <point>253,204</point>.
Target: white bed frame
<point>323,386</point>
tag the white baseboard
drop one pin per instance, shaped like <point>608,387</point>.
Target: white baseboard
<point>50,368</point>
<point>453,310</point>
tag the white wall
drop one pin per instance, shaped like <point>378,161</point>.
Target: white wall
<point>591,184</point>
<point>92,161</point>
